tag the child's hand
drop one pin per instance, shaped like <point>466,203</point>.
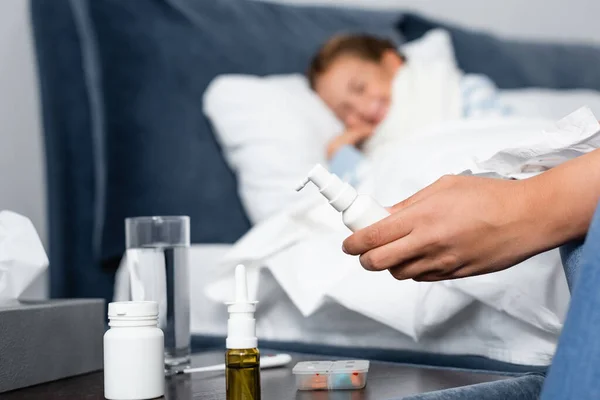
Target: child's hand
<point>351,136</point>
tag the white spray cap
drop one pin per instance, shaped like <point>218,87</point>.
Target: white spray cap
<point>241,326</point>
<point>340,195</point>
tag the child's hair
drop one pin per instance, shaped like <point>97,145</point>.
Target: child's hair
<point>366,47</point>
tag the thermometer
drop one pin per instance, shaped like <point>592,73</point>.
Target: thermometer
<point>274,361</point>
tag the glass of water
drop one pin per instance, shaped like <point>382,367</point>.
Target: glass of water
<point>157,262</point>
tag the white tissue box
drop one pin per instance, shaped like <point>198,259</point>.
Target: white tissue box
<point>42,341</point>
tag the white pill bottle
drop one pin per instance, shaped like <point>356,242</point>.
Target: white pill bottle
<point>358,210</point>
<point>133,352</point>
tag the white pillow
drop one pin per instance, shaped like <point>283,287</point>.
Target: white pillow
<point>434,46</point>
<point>273,130</point>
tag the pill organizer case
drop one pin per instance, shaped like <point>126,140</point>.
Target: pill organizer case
<point>331,375</point>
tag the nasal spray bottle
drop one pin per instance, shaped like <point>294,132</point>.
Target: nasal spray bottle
<point>242,360</point>
<point>358,210</point>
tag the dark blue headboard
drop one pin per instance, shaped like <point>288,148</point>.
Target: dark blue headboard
<point>513,63</point>
<point>121,88</point>
<point>69,151</point>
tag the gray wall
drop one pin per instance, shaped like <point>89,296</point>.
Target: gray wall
<point>21,162</point>
<point>22,186</point>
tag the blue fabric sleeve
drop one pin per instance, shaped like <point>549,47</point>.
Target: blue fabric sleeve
<point>570,254</point>
<point>344,163</point>
<point>574,370</point>
<point>527,387</point>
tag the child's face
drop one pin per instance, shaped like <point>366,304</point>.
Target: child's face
<point>359,91</point>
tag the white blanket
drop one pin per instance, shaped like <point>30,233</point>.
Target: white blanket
<point>422,138</point>
<point>301,248</point>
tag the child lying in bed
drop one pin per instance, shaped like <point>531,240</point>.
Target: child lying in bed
<point>358,76</point>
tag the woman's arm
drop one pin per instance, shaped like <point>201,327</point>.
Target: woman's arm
<point>568,196</point>
<point>462,226</point>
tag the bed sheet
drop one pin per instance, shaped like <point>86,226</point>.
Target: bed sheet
<point>278,319</point>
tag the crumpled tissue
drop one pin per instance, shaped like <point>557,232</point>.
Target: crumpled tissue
<point>574,135</point>
<point>22,255</point>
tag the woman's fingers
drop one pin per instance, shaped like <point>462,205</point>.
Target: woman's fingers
<point>438,268</point>
<point>395,253</point>
<point>395,226</point>
<point>383,232</point>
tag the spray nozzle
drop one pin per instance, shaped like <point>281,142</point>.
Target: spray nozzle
<point>339,194</point>
<point>302,184</point>
<point>319,176</point>
<point>241,328</point>
<point>241,301</point>
<point>241,284</point>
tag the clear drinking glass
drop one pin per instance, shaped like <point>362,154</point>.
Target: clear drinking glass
<point>157,259</point>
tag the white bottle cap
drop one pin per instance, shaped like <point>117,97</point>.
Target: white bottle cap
<point>133,309</point>
<point>133,313</point>
<point>340,195</point>
<point>241,326</point>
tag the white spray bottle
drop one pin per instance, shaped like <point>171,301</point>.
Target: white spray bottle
<point>358,210</point>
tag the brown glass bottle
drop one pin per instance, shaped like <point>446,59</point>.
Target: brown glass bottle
<point>242,376</point>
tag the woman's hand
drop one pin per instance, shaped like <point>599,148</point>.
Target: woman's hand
<point>464,225</point>
<point>351,136</point>
<point>457,227</point>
